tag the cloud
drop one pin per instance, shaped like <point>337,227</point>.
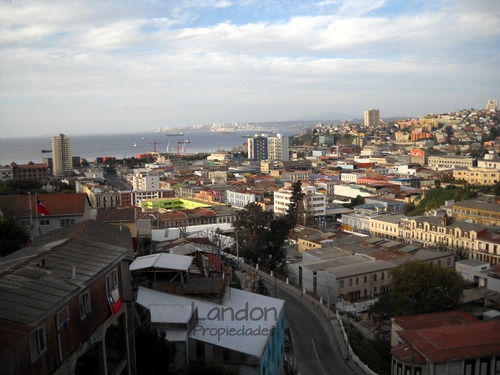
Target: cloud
<point>248,60</point>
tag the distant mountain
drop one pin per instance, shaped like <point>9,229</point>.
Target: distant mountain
<point>329,117</point>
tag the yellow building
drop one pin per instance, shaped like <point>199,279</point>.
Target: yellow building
<point>477,176</point>
<point>476,211</point>
<point>386,226</point>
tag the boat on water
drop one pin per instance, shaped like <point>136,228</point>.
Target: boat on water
<point>185,141</point>
<point>46,151</point>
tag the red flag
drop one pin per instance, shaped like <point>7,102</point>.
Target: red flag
<point>115,301</point>
<point>40,208</point>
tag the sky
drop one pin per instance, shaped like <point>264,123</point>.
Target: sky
<point>95,67</point>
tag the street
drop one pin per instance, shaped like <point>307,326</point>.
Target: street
<point>315,348</point>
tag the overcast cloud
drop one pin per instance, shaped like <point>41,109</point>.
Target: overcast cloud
<point>124,66</point>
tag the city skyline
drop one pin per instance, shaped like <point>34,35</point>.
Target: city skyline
<point>88,67</point>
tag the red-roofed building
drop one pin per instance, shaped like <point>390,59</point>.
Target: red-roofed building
<point>30,171</point>
<point>64,210</point>
<point>457,346</point>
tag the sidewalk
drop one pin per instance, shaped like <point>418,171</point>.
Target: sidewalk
<point>334,322</point>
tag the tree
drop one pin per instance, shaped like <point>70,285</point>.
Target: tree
<point>420,288</point>
<point>154,354</point>
<point>262,235</point>
<point>355,201</point>
<point>296,203</point>
<point>14,236</point>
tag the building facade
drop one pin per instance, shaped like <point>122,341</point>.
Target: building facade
<point>278,148</point>
<point>67,304</point>
<point>372,117</point>
<point>62,155</point>
<point>450,162</point>
<point>478,212</point>
<point>30,171</point>
<point>257,148</point>
<point>241,198</point>
<point>477,176</point>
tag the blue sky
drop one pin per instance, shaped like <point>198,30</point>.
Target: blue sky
<point>93,67</point>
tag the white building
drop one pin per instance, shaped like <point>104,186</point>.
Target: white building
<point>351,177</point>
<point>278,148</point>
<point>145,181</point>
<point>314,203</point>
<point>241,198</point>
<point>62,155</point>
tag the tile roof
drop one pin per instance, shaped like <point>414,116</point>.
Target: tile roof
<point>116,214</point>
<point>457,342</point>
<point>446,318</point>
<point>56,204</point>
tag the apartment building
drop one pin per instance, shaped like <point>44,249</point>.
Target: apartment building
<point>450,162</point>
<point>351,177</point>
<point>386,226</point>
<point>477,176</point>
<point>477,211</point>
<point>314,203</point>
<point>372,117</point>
<point>356,268</point>
<point>278,148</point>
<point>62,155</point>
<point>240,198</point>
<point>440,231</point>
<point>145,181</point>
<point>30,171</point>
<point>257,148</point>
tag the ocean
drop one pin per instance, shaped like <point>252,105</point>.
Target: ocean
<point>89,147</point>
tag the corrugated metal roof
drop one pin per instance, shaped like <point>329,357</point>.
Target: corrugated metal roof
<point>214,317</point>
<point>37,280</point>
<point>450,343</point>
<point>171,313</point>
<point>162,260</point>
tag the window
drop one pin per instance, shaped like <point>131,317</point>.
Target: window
<point>365,279</point>
<point>341,283</point>
<point>111,281</point>
<point>38,343</point>
<point>375,277</point>
<point>357,280</point>
<point>44,222</point>
<point>84,300</point>
<point>350,282</point>
<point>66,222</point>
<point>62,317</point>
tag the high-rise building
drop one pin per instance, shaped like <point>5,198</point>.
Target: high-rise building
<point>278,148</point>
<point>372,117</point>
<point>492,105</point>
<point>62,155</point>
<point>257,148</point>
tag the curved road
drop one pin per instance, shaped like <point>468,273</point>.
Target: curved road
<point>314,344</point>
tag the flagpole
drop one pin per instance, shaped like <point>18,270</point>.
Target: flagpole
<point>31,216</point>
<point>37,223</point>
